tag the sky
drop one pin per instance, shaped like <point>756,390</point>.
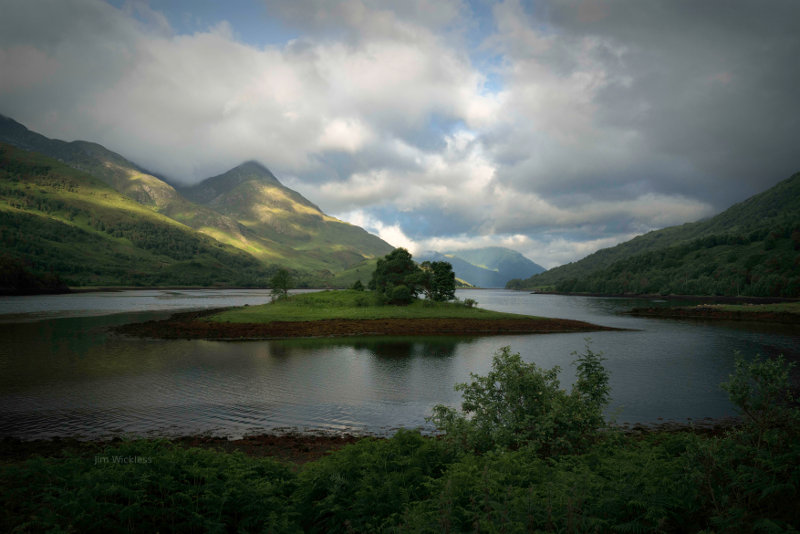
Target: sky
<point>552,127</point>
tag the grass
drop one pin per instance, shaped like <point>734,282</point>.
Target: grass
<point>782,307</point>
<point>350,304</point>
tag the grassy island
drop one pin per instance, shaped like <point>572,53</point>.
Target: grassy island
<point>351,304</point>
<point>349,313</point>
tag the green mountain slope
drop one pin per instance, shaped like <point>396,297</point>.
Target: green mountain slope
<point>252,195</point>
<point>752,248</point>
<point>319,249</point>
<point>56,219</point>
<point>487,266</point>
<point>147,189</point>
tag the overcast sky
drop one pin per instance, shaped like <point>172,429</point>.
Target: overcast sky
<point>552,127</point>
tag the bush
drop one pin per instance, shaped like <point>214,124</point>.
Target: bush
<point>621,485</point>
<point>147,486</point>
<point>519,404</point>
<point>362,486</point>
<point>749,478</point>
<point>401,295</point>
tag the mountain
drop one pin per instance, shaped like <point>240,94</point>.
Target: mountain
<point>252,195</point>
<point>271,223</point>
<point>486,267</point>
<point>752,248</point>
<point>59,222</point>
<point>137,183</point>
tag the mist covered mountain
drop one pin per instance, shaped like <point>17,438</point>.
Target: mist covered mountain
<point>487,266</point>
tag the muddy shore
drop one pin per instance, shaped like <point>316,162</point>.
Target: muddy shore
<point>192,325</point>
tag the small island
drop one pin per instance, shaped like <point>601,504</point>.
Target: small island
<point>391,307</point>
<point>348,313</point>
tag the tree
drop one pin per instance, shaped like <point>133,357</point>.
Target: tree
<point>358,286</point>
<point>394,270</point>
<point>438,280</point>
<point>280,283</point>
<point>444,281</point>
<point>520,404</point>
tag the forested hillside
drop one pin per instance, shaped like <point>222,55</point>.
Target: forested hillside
<point>752,249</point>
<point>58,221</point>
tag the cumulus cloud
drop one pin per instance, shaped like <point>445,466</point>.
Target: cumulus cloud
<point>554,128</point>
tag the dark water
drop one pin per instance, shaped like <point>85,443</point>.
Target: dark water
<point>62,373</point>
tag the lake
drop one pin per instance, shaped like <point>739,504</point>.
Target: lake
<point>62,373</point>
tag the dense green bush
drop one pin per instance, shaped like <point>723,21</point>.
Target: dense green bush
<point>519,403</point>
<point>363,486</point>
<point>749,479</point>
<point>147,486</point>
<point>622,485</point>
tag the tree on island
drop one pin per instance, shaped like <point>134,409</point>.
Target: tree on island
<point>438,280</point>
<point>280,283</point>
<point>400,280</point>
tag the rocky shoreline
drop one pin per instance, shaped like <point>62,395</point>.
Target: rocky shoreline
<point>192,325</point>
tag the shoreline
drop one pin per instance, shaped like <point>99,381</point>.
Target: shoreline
<point>190,325</point>
<point>705,312</point>
<point>297,447</point>
<point>711,299</point>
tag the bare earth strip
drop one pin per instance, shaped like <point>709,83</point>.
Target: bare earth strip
<point>191,325</point>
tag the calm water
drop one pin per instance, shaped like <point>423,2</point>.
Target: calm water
<point>62,373</point>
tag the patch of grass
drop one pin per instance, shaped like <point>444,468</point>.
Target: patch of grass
<point>351,304</point>
<point>782,307</point>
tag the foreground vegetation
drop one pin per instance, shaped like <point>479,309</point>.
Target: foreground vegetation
<point>751,249</point>
<point>521,455</point>
<point>353,304</point>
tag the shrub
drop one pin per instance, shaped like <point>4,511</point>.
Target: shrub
<point>362,486</point>
<point>749,478</point>
<point>147,486</point>
<point>401,295</point>
<point>518,404</point>
<point>621,485</point>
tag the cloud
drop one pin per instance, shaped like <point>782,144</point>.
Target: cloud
<point>555,127</point>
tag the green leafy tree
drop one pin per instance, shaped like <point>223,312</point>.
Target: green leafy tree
<point>357,286</point>
<point>281,283</point>
<point>437,280</point>
<point>395,270</point>
<point>520,404</point>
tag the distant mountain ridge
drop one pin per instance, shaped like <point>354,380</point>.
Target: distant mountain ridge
<point>486,267</point>
<point>752,248</point>
<point>247,208</point>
